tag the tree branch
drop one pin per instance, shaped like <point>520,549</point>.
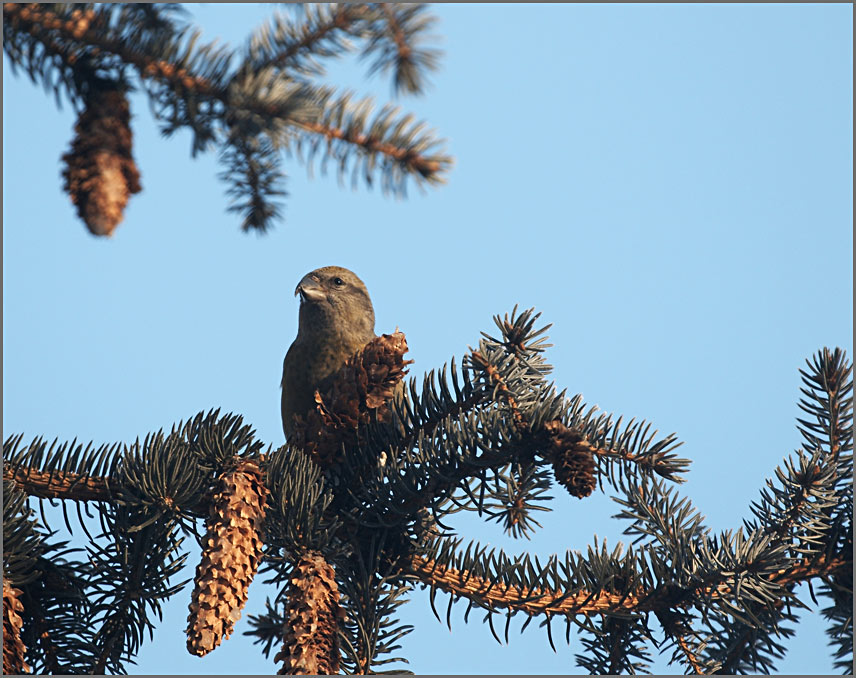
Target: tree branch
<point>426,167</point>
<point>689,655</point>
<point>38,22</point>
<point>59,484</point>
<point>404,50</point>
<point>345,16</point>
<point>494,376</point>
<point>533,601</point>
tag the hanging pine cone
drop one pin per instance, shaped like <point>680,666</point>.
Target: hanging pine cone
<point>231,553</point>
<point>100,173</point>
<point>361,388</point>
<point>313,615</point>
<point>13,647</point>
<point>573,462</point>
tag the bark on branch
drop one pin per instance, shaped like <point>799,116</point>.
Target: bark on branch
<point>545,601</point>
<point>59,485</point>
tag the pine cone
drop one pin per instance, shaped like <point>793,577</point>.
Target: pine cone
<point>313,615</point>
<point>231,553</point>
<point>573,462</point>
<point>14,650</point>
<point>363,386</point>
<point>100,173</point>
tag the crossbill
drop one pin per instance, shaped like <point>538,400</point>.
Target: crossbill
<point>336,320</point>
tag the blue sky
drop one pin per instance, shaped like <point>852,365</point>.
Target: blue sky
<point>669,184</point>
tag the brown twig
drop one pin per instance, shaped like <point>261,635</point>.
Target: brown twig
<point>494,375</point>
<point>413,160</point>
<point>404,50</point>
<point>690,656</point>
<point>570,454</point>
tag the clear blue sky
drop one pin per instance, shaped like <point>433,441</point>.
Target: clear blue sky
<point>669,184</point>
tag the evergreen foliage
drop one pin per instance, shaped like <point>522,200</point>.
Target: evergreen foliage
<point>352,514</point>
<point>369,524</point>
<point>254,105</point>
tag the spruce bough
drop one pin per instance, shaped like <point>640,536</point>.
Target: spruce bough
<point>347,534</point>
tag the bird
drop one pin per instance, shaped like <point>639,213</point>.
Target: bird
<point>336,319</point>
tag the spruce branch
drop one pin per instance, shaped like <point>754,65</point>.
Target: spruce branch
<point>797,508</point>
<point>253,170</point>
<point>323,33</point>
<point>193,85</point>
<point>399,48</point>
<point>61,485</point>
<point>495,581</point>
<point>351,530</point>
<point>441,442</point>
<point>402,48</point>
<point>267,628</point>
<point>396,146</point>
<point>131,577</point>
<point>615,646</point>
<point>745,648</point>
<point>299,515</point>
<point>37,59</point>
<point>688,644</point>
<point>523,491</point>
<point>828,397</point>
<point>166,473</point>
<point>53,586</point>
<point>489,594</point>
<point>438,440</point>
<point>373,588</point>
<point>90,31</point>
<point>57,619</point>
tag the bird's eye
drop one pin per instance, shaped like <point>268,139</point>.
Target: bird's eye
<point>338,282</point>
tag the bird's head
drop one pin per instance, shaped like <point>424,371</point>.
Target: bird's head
<point>336,300</point>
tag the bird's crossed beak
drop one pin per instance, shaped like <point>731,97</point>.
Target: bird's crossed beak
<point>310,289</point>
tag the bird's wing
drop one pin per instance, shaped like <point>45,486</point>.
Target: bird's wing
<point>285,364</point>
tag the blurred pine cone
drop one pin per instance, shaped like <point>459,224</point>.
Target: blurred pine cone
<point>100,173</point>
